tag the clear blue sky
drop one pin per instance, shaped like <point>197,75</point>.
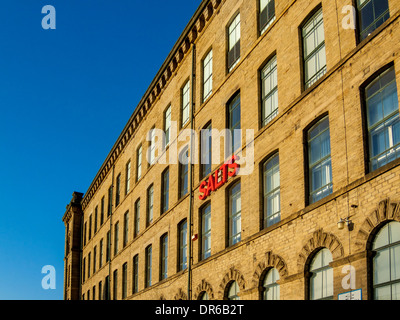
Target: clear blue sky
<point>65,96</point>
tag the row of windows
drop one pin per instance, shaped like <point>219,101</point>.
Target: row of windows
<point>385,266</point>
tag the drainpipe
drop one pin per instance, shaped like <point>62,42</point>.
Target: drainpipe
<point>189,289</point>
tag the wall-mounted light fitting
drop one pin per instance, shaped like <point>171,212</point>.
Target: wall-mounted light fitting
<point>343,222</point>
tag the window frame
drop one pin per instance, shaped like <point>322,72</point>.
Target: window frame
<point>167,116</point>
<point>165,177</point>
<point>150,205</point>
<point>272,61</point>
<point>265,193</point>
<point>236,47</point>
<point>164,256</point>
<point>359,31</point>
<point>303,58</point>
<point>204,234</point>
<point>128,177</point>
<point>139,156</point>
<point>365,118</point>
<point>182,245</point>
<point>148,266</point>
<point>232,105</point>
<point>183,174</point>
<point>206,61</point>
<point>311,272</point>
<point>205,153</point>
<point>237,216</point>
<point>263,28</point>
<point>307,164</point>
<point>185,105</point>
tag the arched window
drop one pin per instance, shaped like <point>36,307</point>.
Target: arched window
<point>383,121</point>
<point>233,291</point>
<point>204,296</point>
<point>386,263</point>
<point>321,276</point>
<point>270,289</point>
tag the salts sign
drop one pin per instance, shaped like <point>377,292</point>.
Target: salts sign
<point>218,178</point>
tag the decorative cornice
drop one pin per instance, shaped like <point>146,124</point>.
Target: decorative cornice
<point>196,25</point>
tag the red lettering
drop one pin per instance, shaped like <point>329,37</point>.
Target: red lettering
<point>230,168</point>
<point>224,172</point>
<point>211,185</point>
<point>203,191</point>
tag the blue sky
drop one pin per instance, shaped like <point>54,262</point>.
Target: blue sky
<point>65,96</point>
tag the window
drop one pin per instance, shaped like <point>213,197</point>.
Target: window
<point>267,14</point>
<point>95,219</point>
<point>115,287</point>
<point>110,192</point>
<point>126,228</point>
<point>371,14</point>
<point>386,263</point>
<point>314,49</point>
<point>152,147</point>
<point>101,254</point>
<point>90,227</point>
<point>94,293</point>
<point>319,161</point>
<point>167,125</point>
<point>100,291</point>
<point>106,288</point>
<point>118,190</point>
<point>89,259</point>
<point>383,119</point>
<point>164,257</point>
<point>135,274</point>
<point>233,291</point>
<point>139,163</point>
<point>83,270</point>
<point>108,249</point>
<point>137,218</point>
<point>182,233</point>
<point>272,194</point>
<point>102,210</point>
<point>116,230</point>
<point>321,276</point>
<point>127,177</point>
<point>204,296</point>
<point>206,232</point>
<point>234,214</point>
<point>234,42</point>
<point>269,91</point>
<point>207,75</point>
<point>185,108</point>
<point>150,199</point>
<point>270,289</point>
<point>84,234</point>
<point>234,125</point>
<point>94,259</point>
<point>124,280</point>
<point>148,261</point>
<point>206,147</point>
<point>183,172</point>
<point>165,191</point>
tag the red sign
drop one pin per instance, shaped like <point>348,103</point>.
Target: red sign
<point>219,178</point>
